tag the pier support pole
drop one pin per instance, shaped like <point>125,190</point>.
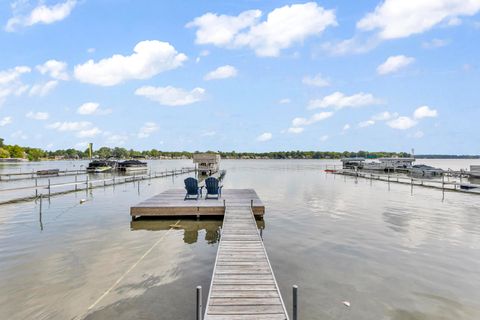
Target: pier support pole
<point>295,303</point>
<point>199,303</point>
<point>48,188</point>
<point>36,185</point>
<point>75,183</point>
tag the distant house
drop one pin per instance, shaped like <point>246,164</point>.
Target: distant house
<point>207,163</point>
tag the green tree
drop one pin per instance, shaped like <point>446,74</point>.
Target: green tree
<point>120,153</point>
<point>34,154</point>
<point>16,151</point>
<point>4,153</point>
<point>104,152</point>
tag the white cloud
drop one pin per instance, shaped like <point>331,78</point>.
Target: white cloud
<point>42,89</point>
<point>222,72</point>
<point>41,14</point>
<point>149,59</point>
<point>346,127</point>
<point>284,101</point>
<point>424,112</point>
<point>435,43</point>
<point>399,18</point>
<point>69,126</point>
<point>5,121</point>
<point>324,138</point>
<point>338,100</point>
<point>402,123</point>
<point>264,137</point>
<point>91,50</point>
<point>300,122</point>
<point>10,83</point>
<point>316,81</point>
<point>202,54</point>
<point>171,96</point>
<point>295,130</point>
<point>37,115</point>
<point>220,30</point>
<point>89,133</point>
<point>355,45</point>
<point>394,63</point>
<point>366,123</point>
<point>55,69</point>
<point>89,108</point>
<point>282,28</point>
<point>147,129</point>
<point>384,116</point>
<point>11,75</point>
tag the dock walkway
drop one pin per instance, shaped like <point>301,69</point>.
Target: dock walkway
<point>243,284</point>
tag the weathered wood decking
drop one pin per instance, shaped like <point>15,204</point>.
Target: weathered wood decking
<point>243,284</point>
<point>172,203</point>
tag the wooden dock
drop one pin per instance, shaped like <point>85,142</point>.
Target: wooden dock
<point>243,284</point>
<point>171,203</point>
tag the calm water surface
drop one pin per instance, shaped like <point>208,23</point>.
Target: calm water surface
<point>392,253</point>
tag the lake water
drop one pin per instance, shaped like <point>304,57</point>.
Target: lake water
<point>390,252</point>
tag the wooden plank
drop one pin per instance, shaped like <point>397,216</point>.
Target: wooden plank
<point>247,317</point>
<point>250,309</point>
<point>243,285</point>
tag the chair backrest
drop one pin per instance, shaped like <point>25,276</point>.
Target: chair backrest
<point>191,184</point>
<point>211,184</point>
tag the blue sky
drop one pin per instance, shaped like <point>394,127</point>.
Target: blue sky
<point>241,75</point>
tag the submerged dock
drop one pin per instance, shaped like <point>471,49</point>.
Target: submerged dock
<point>243,284</point>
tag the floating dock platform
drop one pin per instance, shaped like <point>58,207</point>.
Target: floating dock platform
<point>171,203</point>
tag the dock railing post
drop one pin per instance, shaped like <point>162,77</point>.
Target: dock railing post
<point>295,303</point>
<point>199,303</point>
<point>251,203</point>
<point>75,183</point>
<point>48,188</point>
<point>36,190</point>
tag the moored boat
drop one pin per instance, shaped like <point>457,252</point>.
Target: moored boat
<point>98,166</point>
<point>132,165</point>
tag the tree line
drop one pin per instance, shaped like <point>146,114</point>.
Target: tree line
<point>34,154</point>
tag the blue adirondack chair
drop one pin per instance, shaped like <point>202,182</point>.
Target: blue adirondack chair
<point>193,190</point>
<point>213,189</point>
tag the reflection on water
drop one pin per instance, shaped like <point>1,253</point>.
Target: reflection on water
<point>391,253</point>
<point>191,228</point>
